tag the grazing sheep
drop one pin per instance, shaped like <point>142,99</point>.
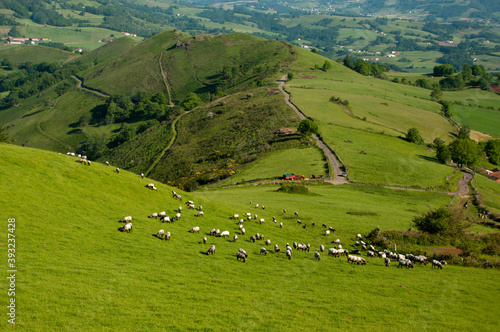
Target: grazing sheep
<point>240,226</point>
<point>327,232</point>
<point>289,254</point>
<point>117,170</point>
<point>313,224</point>
<point>294,244</point>
<point>284,210</point>
<point>177,216</point>
<point>405,262</point>
<point>288,247</point>
<point>165,219</point>
<point>240,255</point>
<point>363,247</point>
<point>301,246</point>
<point>261,221</point>
<point>276,248</point>
<point>189,202</point>
<point>211,250</point>
<point>308,247</point>
<point>204,239</point>
<point>268,242</point>
<point>354,252</point>
<point>200,208</point>
<point>263,251</point>
<point>263,207</point>
<point>321,248</point>
<point>162,214</point>
<point>235,216</point>
<point>248,214</point>
<point>256,205</point>
<point>257,236</point>
<point>299,222</point>
<point>387,261</point>
<point>142,175</point>
<point>333,252</point>
<point>437,264</point>
<point>160,234</point>
<point>151,186</point>
<point>372,248</point>
<point>261,237</point>
<point>317,255</point>
<point>243,252</point>
<point>296,213</point>
<point>340,246</point>
<point>324,225</point>
<point>107,163</point>
<point>304,226</point>
<point>200,214</point>
<point>179,209</point>
<point>235,238</point>
<point>153,215</point>
<point>217,232</point>
<point>195,229</point>
<point>127,218</point>
<point>252,238</point>
<point>224,234</point>
<point>359,236</point>
<point>212,231</point>
<point>370,253</point>
<point>167,236</point>
<point>241,221</point>
<point>255,216</point>
<point>242,231</point>
<point>337,241</point>
<point>443,262</point>
<point>281,225</point>
<point>127,228</point>
<point>191,206</point>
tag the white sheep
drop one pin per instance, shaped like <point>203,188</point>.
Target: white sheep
<point>276,248</point>
<point>224,234</point>
<point>142,175</point>
<point>153,215</point>
<point>179,209</point>
<point>387,261</point>
<point>177,216</point>
<point>261,220</point>
<point>289,254</point>
<point>317,255</point>
<point>204,239</point>
<point>211,250</point>
<point>200,214</point>
<point>268,242</point>
<point>195,229</point>
<point>321,248</point>
<point>165,219</point>
<point>117,170</point>
<point>160,234</point>
<point>127,218</point>
<point>243,231</point>
<point>151,186</point>
<point>263,251</point>
<point>235,238</point>
<point>167,236</point>
<point>327,232</point>
<point>437,264</point>
<point>235,216</point>
<point>127,228</point>
<point>296,213</point>
<point>281,225</point>
<point>107,163</point>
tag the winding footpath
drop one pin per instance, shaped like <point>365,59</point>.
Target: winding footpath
<point>337,176</point>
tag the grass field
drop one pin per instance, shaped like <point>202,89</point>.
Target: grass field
<point>298,161</point>
<point>82,273</point>
<point>490,191</point>
<point>483,120</point>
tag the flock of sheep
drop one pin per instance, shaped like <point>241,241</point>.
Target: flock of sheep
<point>407,260</point>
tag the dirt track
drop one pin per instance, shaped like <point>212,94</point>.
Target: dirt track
<point>337,176</point>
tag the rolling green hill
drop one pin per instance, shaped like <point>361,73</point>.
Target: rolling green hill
<point>76,270</point>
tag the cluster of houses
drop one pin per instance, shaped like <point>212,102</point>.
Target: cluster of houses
<point>494,174</point>
<point>22,40</point>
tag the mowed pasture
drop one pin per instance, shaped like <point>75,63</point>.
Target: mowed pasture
<point>76,270</point>
<point>302,161</point>
<point>484,120</point>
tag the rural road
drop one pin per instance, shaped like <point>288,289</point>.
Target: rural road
<point>79,85</point>
<point>463,186</point>
<point>337,178</point>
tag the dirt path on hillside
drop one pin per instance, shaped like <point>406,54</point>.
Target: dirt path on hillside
<point>337,172</point>
<point>79,85</point>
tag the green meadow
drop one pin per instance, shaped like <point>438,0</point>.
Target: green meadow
<point>77,271</point>
<point>484,120</point>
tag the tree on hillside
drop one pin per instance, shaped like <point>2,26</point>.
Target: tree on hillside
<point>290,76</point>
<point>436,94</point>
<point>413,136</point>
<point>348,62</point>
<point>443,70</point>
<point>191,101</point>
<point>465,152</point>
<point>446,108</point>
<point>441,221</point>
<point>492,150</point>
<point>327,65</point>
<point>443,154</point>
<point>307,127</point>
<point>3,136</point>
<point>464,132</point>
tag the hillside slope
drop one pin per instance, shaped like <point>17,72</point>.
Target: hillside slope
<point>76,270</point>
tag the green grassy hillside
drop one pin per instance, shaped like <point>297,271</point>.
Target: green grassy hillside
<point>76,270</point>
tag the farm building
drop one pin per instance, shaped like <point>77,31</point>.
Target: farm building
<point>289,176</point>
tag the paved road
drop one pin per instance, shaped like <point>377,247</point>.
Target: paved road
<point>337,177</point>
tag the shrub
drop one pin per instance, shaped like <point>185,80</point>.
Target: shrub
<point>294,188</point>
